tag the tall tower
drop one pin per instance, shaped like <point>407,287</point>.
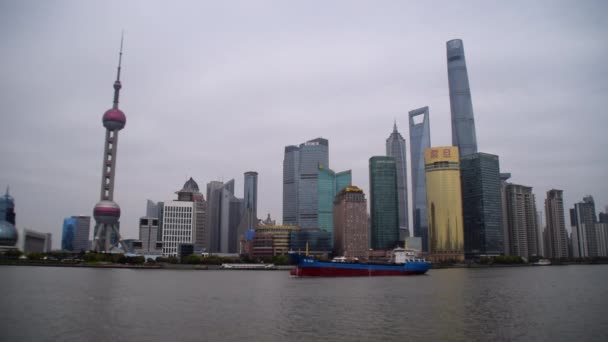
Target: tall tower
<point>420,140</point>
<point>481,205</point>
<point>395,147</point>
<point>556,245</point>
<point>463,123</point>
<point>107,212</point>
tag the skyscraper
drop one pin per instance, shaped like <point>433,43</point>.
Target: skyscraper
<point>328,185</point>
<point>351,233</point>
<point>291,164</point>
<point>148,231</point>
<point>444,203</point>
<point>583,221</point>
<point>556,243</point>
<point>249,216</point>
<point>395,147</point>
<point>313,154</point>
<point>223,217</point>
<point>300,178</point>
<point>463,122</point>
<point>75,233</point>
<point>7,208</point>
<point>250,195</point>
<point>482,207</point>
<point>383,202</point>
<point>107,212</point>
<point>420,140</point>
<point>156,210</point>
<point>214,205</point>
<point>190,193</point>
<point>521,220</point>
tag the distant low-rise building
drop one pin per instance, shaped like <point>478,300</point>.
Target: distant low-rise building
<point>31,241</point>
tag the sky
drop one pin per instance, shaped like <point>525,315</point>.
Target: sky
<point>212,89</point>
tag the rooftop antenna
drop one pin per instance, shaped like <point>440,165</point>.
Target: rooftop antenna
<point>117,84</point>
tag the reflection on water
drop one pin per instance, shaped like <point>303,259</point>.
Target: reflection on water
<point>500,304</point>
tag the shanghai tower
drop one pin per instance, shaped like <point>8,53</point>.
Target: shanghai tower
<point>107,212</point>
<point>463,123</point>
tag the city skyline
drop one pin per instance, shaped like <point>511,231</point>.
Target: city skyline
<point>345,82</point>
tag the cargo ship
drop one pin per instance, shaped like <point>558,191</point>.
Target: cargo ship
<point>404,263</point>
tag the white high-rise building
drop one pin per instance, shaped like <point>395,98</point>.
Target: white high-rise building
<point>178,225</point>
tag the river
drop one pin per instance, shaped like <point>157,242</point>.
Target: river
<point>555,303</point>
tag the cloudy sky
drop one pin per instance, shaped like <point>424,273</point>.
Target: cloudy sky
<point>214,89</point>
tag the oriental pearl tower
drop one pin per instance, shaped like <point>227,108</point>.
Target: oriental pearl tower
<point>107,212</point>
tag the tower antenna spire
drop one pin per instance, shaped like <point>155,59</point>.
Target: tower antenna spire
<point>117,84</point>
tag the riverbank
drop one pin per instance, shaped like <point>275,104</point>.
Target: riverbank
<point>140,267</point>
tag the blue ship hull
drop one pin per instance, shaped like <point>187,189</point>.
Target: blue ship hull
<point>309,267</point>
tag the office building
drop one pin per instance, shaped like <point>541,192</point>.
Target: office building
<point>184,220</point>
<point>351,233</point>
<point>601,234</point>
<point>482,205</point>
<point>75,233</point>
<point>249,216</point>
<point>224,216</point>
<point>314,154</point>
<point>300,177</point>
<point>395,147</point>
<point>444,203</point>
<point>148,232</point>
<point>420,140</point>
<point>329,184</point>
<point>30,241</point>
<point>291,163</point>
<point>461,106</point>
<point>309,186</point>
<point>556,236</point>
<point>178,226</point>
<point>583,221</point>
<point>155,210</point>
<point>521,220</point>
<point>383,203</point>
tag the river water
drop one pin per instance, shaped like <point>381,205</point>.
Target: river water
<point>556,303</point>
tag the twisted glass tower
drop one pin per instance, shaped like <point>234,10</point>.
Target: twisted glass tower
<point>463,123</point>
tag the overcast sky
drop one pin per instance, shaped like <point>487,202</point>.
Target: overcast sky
<point>214,89</point>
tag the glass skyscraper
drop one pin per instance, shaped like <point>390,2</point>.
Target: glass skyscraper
<point>68,233</point>
<point>328,185</point>
<point>383,200</point>
<point>300,177</point>
<point>420,140</point>
<point>75,233</point>
<point>482,205</point>
<point>7,208</point>
<point>463,122</point>
<point>395,147</point>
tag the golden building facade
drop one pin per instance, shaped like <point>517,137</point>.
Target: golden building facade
<point>444,203</point>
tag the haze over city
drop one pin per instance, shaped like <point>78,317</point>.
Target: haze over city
<point>213,90</point>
